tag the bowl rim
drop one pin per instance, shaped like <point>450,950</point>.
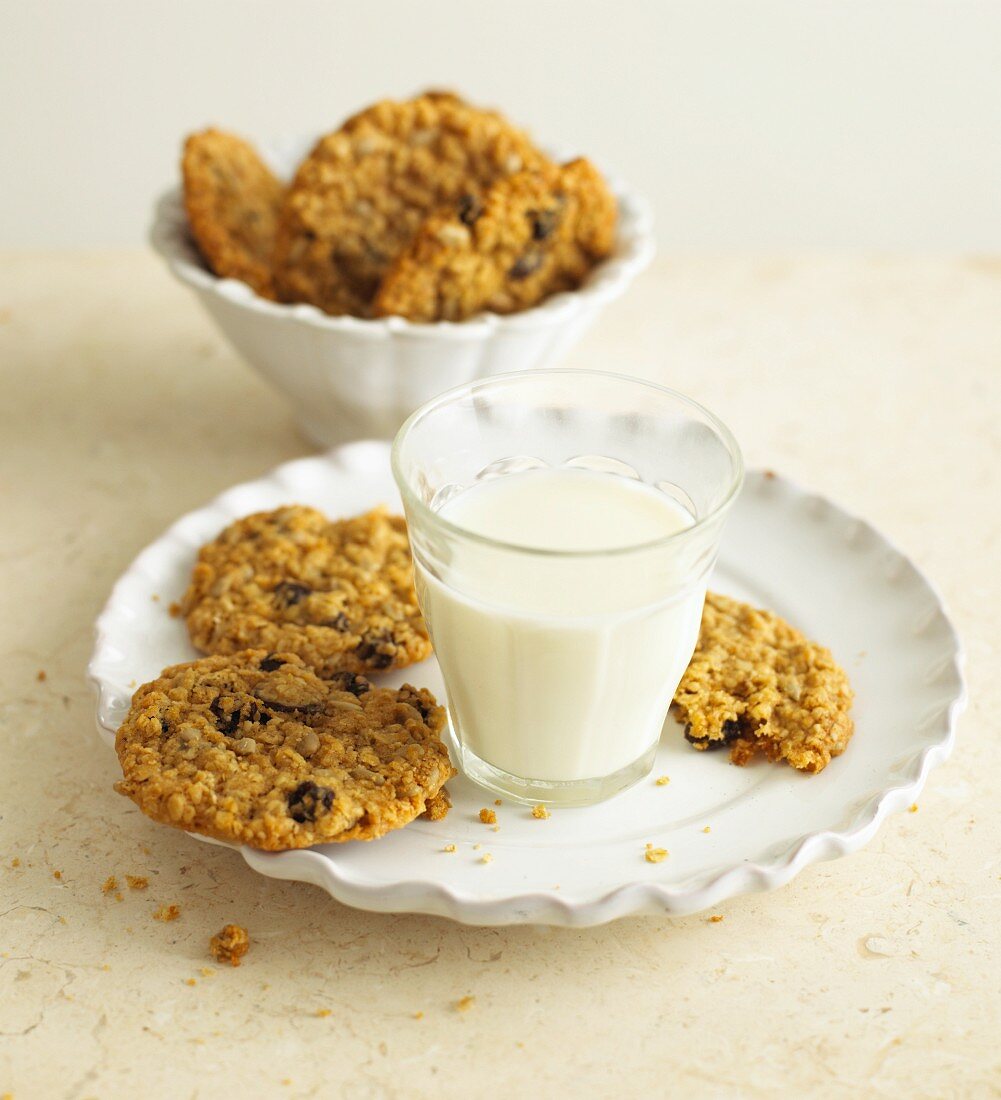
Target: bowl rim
<point>170,238</point>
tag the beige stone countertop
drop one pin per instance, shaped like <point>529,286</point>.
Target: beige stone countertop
<point>874,380</point>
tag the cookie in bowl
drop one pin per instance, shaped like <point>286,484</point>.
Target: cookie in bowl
<point>364,191</point>
<point>533,234</point>
<point>232,200</point>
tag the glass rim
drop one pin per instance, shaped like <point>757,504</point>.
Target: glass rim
<point>411,499</point>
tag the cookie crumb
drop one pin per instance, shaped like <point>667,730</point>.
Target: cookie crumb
<point>655,855</point>
<point>464,1004</point>
<point>110,885</point>
<point>477,847</point>
<point>15,862</point>
<point>155,597</point>
<point>167,913</point>
<point>540,812</point>
<point>230,945</point>
<point>174,610</point>
<point>41,675</point>
<point>498,802</point>
<point>206,971</point>
<point>418,1015</point>
<point>137,882</point>
<point>663,780</point>
<point>57,875</point>
<point>707,829</point>
<point>486,858</point>
<point>449,848</point>
<point>715,918</point>
<point>913,808</point>
<point>190,981</point>
<point>323,1013</point>
<point>488,817</point>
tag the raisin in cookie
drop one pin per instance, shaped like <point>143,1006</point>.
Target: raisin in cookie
<point>257,749</point>
<point>340,594</point>
<point>362,193</point>
<point>534,233</point>
<point>232,201</point>
<point>756,685</point>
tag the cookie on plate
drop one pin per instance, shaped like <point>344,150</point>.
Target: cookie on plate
<point>257,749</point>
<point>533,234</point>
<point>339,594</point>
<point>362,193</point>
<point>232,201</point>
<point>756,685</point>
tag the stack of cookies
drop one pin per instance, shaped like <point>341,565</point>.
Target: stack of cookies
<point>279,739</point>
<point>429,209</point>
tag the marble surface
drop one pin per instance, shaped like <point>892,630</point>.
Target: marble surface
<point>877,381</point>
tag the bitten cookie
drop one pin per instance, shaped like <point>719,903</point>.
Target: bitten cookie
<point>756,685</point>
<point>362,193</point>
<point>534,233</point>
<point>339,594</point>
<point>232,201</point>
<point>257,749</point>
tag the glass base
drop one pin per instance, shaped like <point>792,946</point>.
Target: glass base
<point>574,792</point>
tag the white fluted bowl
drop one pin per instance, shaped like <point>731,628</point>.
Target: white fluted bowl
<point>350,378</point>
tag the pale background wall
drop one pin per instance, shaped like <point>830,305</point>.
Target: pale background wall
<point>767,125</point>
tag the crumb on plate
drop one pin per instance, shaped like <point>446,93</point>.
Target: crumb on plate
<point>540,812</point>
<point>167,913</point>
<point>137,882</point>
<point>488,817</point>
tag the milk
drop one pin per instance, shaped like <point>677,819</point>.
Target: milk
<point>561,659</point>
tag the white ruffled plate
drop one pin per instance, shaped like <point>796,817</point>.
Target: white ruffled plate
<point>830,574</point>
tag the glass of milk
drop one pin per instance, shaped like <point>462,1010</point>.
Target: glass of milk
<point>563,526</point>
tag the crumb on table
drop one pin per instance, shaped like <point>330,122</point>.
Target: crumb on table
<point>15,862</point>
<point>41,676</point>
<point>488,817</point>
<point>323,1013</point>
<point>715,918</point>
<point>449,848</point>
<point>498,802</point>
<point>230,944</point>
<point>486,858</point>
<point>137,882</point>
<point>913,808</point>
<point>167,913</point>
<point>663,780</point>
<point>540,812</point>
<point>110,885</point>
<point>707,829</point>
<point>57,875</point>
<point>175,610</point>
<point>464,1004</point>
<point>655,855</point>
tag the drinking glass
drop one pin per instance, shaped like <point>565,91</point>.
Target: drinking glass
<point>558,684</point>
